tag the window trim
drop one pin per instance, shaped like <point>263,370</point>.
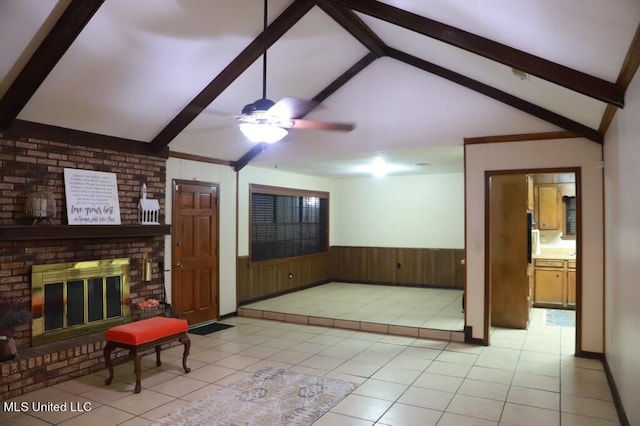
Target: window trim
<point>291,192</point>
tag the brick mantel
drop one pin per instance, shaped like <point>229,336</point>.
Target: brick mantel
<point>28,165</point>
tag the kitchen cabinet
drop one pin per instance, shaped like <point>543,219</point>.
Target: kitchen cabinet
<point>548,207</point>
<point>555,283</point>
<point>571,283</point>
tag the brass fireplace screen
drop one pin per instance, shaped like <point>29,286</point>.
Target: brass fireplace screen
<point>68,299</point>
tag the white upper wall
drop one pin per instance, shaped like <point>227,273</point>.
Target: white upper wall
<point>538,155</point>
<point>622,225</point>
<point>415,211</point>
<point>407,211</point>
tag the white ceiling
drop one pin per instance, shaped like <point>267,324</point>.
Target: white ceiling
<point>137,64</point>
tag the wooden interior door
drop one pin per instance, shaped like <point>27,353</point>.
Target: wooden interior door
<point>195,251</point>
<point>508,266</point>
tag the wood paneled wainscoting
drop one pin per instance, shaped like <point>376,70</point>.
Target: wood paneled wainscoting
<point>259,280</point>
<point>423,267</point>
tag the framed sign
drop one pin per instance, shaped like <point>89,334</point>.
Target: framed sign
<point>92,197</point>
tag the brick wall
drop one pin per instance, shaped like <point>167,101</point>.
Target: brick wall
<point>28,165</point>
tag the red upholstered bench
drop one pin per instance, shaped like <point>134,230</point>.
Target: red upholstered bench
<point>142,335</point>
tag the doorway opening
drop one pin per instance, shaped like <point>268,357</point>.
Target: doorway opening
<point>533,248</point>
<point>195,287</point>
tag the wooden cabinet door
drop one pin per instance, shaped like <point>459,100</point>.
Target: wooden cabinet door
<point>571,287</point>
<point>549,286</point>
<point>548,208</point>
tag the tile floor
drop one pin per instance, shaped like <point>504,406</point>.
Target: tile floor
<point>432,308</point>
<point>526,377</point>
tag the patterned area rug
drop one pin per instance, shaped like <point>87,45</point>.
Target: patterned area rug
<point>270,397</point>
<point>562,318</point>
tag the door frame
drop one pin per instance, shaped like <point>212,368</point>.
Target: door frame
<point>487,252</point>
<point>174,185</point>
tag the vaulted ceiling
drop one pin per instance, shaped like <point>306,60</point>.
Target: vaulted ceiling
<point>416,77</point>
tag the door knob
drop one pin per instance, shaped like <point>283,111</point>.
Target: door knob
<point>179,265</point>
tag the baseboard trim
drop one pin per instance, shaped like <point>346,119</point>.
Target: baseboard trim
<point>282,293</point>
<point>591,355</point>
<point>229,315</point>
<point>398,284</point>
<point>622,416</point>
<point>468,337</point>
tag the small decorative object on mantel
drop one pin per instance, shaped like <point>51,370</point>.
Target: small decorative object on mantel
<point>148,209</point>
<point>146,267</point>
<point>40,206</point>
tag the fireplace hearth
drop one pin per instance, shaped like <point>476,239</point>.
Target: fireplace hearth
<point>70,299</point>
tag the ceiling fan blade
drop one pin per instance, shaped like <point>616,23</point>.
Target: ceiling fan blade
<point>292,107</point>
<point>322,125</point>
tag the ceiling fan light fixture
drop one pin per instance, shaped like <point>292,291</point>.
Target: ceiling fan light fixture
<point>263,132</point>
<point>262,105</point>
<point>378,167</point>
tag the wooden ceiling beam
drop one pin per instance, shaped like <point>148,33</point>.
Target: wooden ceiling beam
<point>320,97</point>
<point>547,70</point>
<point>250,155</point>
<point>499,95</point>
<point>352,23</point>
<point>520,137</point>
<point>228,75</point>
<point>29,129</point>
<point>53,47</point>
<point>627,72</point>
<point>345,77</point>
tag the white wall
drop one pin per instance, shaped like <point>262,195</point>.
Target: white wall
<point>622,225</point>
<point>416,211</point>
<point>225,177</point>
<point>273,177</point>
<point>431,210</point>
<point>532,155</point>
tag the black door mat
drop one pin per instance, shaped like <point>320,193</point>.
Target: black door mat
<point>203,330</point>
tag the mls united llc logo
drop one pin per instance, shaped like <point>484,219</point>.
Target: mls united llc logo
<point>77,406</point>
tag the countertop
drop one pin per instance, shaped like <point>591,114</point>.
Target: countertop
<point>556,254</point>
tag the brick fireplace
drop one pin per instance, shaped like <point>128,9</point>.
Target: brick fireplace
<point>76,298</point>
<point>29,165</point>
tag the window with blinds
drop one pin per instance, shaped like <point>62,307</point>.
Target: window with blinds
<point>287,225</point>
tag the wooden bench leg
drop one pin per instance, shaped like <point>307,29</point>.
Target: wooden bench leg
<point>136,352</point>
<point>187,345</point>
<point>108,348</point>
<point>158,362</point>
<point>136,369</point>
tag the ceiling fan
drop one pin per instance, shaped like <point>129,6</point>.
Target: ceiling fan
<point>268,121</point>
